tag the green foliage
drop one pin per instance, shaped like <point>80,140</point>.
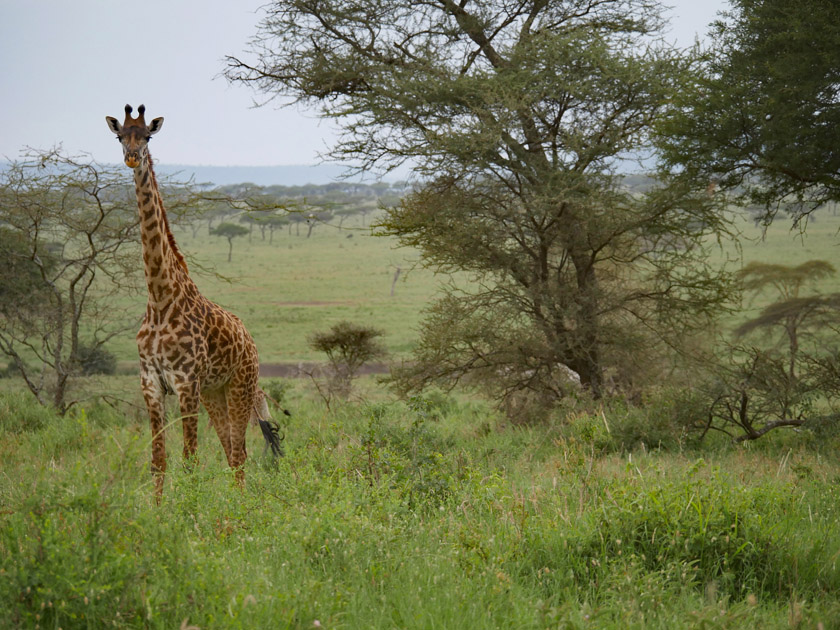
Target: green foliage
<point>786,280</point>
<point>664,419</point>
<point>348,347</point>
<point>393,514</point>
<point>276,389</point>
<point>23,288</point>
<point>692,533</point>
<point>762,119</point>
<point>229,231</point>
<point>798,317</point>
<point>20,413</point>
<point>95,359</point>
<point>516,118</point>
<point>69,230</point>
<point>751,391</point>
<point>786,381</point>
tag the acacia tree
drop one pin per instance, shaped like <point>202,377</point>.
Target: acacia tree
<point>754,390</point>
<point>68,229</point>
<point>70,244</point>
<point>274,222</point>
<point>229,231</point>
<point>515,117</point>
<point>763,117</point>
<point>348,347</point>
<point>791,311</point>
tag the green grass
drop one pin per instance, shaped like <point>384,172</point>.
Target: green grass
<point>296,286</point>
<point>425,514</point>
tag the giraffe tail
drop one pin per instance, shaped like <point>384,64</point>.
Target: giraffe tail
<point>270,429</point>
<point>273,438</point>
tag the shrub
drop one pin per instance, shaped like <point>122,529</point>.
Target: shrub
<point>698,533</point>
<point>348,347</point>
<point>663,421</point>
<point>96,360</point>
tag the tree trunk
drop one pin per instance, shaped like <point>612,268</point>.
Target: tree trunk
<point>793,340</point>
<point>394,281</point>
<point>588,363</point>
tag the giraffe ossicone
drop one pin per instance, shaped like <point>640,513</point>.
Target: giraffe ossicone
<point>188,345</point>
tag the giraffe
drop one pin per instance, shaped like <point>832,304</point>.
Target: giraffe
<point>188,345</point>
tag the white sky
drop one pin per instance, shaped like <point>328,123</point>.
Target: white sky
<point>65,65</point>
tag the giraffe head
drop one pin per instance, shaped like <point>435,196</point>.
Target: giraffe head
<point>134,135</point>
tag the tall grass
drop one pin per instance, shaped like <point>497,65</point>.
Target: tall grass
<point>410,515</point>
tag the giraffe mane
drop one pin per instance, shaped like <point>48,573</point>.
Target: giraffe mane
<point>169,236</point>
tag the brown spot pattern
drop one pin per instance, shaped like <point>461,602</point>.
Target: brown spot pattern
<point>189,345</point>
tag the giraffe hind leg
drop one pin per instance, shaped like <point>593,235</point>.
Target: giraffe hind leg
<point>188,399</point>
<point>215,402</point>
<point>240,399</point>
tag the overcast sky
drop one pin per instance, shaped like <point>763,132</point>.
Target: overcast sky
<point>66,65</point>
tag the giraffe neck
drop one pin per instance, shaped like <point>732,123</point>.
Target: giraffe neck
<point>164,264</point>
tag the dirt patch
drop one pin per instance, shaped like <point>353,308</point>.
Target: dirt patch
<point>313,303</point>
<point>303,369</point>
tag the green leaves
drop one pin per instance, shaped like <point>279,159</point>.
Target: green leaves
<point>762,116</point>
<point>515,118</point>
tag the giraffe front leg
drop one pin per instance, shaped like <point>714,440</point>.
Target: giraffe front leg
<point>188,399</point>
<point>153,396</point>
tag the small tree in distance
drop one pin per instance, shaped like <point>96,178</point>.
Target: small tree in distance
<point>754,390</point>
<point>791,312</point>
<point>229,231</point>
<point>348,347</point>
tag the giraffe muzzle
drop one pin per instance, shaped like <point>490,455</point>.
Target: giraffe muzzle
<point>132,160</point>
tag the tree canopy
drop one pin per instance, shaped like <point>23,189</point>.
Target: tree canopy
<point>68,236</point>
<point>229,231</point>
<point>763,116</point>
<point>516,118</point>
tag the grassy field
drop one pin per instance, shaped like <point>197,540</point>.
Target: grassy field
<point>289,289</point>
<point>426,514</point>
<point>429,513</point>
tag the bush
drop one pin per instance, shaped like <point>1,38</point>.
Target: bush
<point>96,360</point>
<point>276,389</point>
<point>698,533</point>
<point>348,346</point>
<point>663,421</point>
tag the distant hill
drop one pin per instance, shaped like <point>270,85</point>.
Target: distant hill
<point>293,175</point>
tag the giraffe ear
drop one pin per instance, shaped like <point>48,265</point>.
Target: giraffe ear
<point>113,124</point>
<point>157,123</point>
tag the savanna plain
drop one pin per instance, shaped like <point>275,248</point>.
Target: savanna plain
<point>431,512</point>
